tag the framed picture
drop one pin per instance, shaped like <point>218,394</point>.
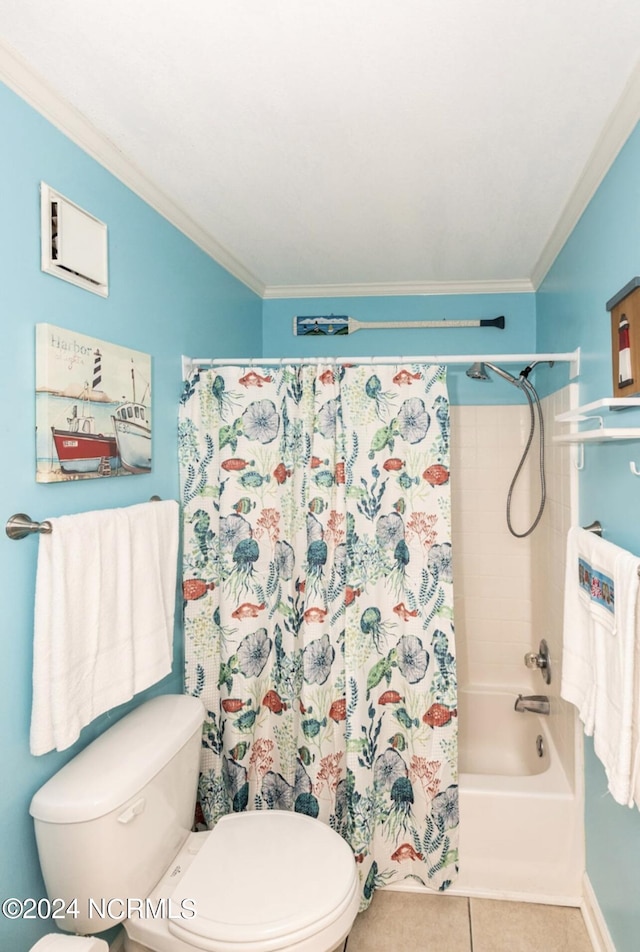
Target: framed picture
<point>625,339</point>
<point>93,407</point>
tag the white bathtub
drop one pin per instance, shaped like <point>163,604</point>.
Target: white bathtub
<point>520,821</point>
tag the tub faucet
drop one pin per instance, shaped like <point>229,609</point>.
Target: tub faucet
<point>536,703</point>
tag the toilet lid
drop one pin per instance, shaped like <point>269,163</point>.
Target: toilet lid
<point>263,875</point>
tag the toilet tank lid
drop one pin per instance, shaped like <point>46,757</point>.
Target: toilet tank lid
<point>119,763</point>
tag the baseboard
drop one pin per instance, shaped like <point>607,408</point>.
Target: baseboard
<point>545,899</point>
<point>539,898</point>
<point>594,920</point>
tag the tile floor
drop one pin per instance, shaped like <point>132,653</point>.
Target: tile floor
<point>397,922</point>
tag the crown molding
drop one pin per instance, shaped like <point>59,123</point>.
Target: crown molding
<point>401,288</point>
<point>615,133</point>
<point>19,77</point>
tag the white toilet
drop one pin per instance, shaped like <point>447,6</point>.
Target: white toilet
<point>56,942</point>
<point>113,832</point>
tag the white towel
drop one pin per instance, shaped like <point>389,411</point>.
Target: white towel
<point>601,589</point>
<point>635,739</point>
<point>104,615</point>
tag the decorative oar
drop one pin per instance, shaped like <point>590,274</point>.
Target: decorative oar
<point>334,324</point>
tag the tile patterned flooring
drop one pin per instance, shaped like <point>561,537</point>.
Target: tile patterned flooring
<point>401,921</point>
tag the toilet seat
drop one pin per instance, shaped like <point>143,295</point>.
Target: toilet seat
<point>266,880</point>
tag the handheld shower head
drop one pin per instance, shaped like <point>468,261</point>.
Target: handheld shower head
<point>504,374</point>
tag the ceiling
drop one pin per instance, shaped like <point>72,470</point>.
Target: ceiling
<point>345,145</point>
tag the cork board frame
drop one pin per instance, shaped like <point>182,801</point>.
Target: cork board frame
<point>625,339</point>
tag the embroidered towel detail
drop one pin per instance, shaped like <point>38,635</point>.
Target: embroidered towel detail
<point>104,615</point>
<point>601,587</point>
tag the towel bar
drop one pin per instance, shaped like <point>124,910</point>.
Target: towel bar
<point>596,528</point>
<point>19,526</point>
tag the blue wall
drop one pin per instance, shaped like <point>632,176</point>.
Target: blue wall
<point>166,298</point>
<point>600,257</point>
<point>518,336</point>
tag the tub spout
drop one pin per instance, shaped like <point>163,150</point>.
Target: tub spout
<point>536,703</point>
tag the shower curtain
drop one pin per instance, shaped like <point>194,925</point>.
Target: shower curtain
<point>318,604</point>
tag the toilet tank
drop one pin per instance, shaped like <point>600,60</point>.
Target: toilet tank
<point>110,821</point>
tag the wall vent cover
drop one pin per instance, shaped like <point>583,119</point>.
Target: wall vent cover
<point>74,243</point>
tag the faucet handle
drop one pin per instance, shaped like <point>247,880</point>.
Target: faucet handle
<point>540,659</point>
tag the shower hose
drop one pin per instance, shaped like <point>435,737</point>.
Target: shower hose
<point>534,406</point>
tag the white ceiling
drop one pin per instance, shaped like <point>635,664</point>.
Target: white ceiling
<point>337,144</point>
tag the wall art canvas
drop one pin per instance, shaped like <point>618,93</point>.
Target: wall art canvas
<point>624,308</point>
<point>93,407</point>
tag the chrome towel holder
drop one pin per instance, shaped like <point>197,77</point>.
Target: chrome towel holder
<point>595,527</point>
<point>20,525</point>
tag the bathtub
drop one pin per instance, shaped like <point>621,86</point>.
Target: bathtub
<point>520,822</point>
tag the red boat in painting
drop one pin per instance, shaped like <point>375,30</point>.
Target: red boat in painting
<point>81,450</point>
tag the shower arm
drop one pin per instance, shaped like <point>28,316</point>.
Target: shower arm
<point>189,364</point>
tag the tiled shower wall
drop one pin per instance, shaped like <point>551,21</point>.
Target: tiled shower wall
<point>508,591</point>
<point>492,570</point>
<point>548,566</point>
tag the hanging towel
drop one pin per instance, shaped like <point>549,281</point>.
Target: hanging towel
<point>104,615</point>
<point>635,738</point>
<point>601,589</point>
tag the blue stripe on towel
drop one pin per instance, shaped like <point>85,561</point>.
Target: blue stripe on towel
<point>596,585</point>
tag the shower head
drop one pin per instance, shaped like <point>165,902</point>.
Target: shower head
<point>478,371</point>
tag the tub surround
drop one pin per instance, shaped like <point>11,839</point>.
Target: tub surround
<point>508,591</point>
<point>547,575</point>
<point>492,569</point>
<point>521,831</point>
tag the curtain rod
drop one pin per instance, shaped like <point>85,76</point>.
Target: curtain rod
<point>189,364</point>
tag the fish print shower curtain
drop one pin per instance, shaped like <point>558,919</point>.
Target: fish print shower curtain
<point>318,604</point>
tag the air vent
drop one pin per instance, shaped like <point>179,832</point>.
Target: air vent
<point>74,243</point>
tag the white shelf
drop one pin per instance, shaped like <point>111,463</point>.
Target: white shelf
<point>600,433</point>
<point>585,412</point>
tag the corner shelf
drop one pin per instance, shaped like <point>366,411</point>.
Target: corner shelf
<point>601,433</point>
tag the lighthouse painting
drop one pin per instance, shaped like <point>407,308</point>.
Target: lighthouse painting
<point>624,310</point>
<point>625,376</point>
<point>89,395</point>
